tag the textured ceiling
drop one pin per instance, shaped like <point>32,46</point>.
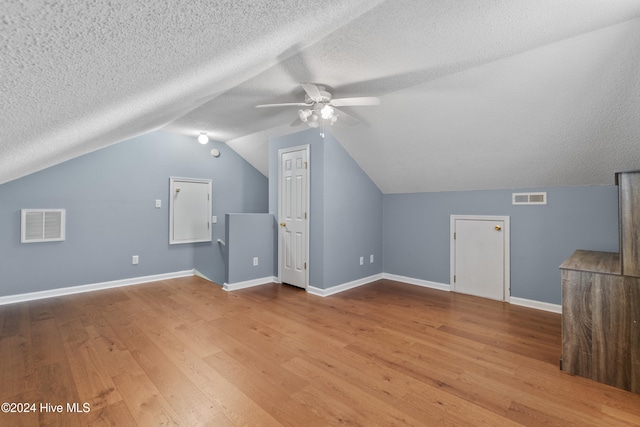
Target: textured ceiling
<point>475,94</point>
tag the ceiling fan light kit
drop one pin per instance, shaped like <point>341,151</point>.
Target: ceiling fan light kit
<point>327,112</point>
<point>304,114</point>
<point>320,104</point>
<point>309,117</point>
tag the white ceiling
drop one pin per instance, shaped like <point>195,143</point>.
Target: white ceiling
<point>475,94</point>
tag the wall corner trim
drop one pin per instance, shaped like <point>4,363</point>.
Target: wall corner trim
<point>417,282</point>
<point>11,299</point>
<point>249,283</point>
<point>538,305</point>
<point>343,287</point>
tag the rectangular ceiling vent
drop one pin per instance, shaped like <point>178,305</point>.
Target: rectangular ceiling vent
<point>42,225</point>
<point>529,198</point>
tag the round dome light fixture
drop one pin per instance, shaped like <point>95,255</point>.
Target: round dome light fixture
<point>203,138</point>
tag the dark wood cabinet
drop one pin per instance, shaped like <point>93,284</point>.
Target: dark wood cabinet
<point>601,302</point>
<point>629,211</point>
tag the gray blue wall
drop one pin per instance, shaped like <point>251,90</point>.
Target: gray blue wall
<point>345,212</point>
<point>348,211</point>
<point>109,197</point>
<point>416,233</point>
<point>249,236</point>
<point>352,218</point>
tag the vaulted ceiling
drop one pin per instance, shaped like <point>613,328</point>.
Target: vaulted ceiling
<point>478,94</point>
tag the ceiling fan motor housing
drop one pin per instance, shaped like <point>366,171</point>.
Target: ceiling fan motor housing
<point>325,97</point>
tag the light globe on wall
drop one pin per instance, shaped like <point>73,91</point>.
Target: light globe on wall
<point>203,138</point>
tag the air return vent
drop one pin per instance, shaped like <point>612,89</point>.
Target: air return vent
<point>529,198</point>
<point>42,225</point>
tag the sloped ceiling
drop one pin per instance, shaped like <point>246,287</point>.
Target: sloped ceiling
<point>475,94</point>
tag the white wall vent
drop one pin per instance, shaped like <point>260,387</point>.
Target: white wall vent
<point>42,225</point>
<point>529,198</point>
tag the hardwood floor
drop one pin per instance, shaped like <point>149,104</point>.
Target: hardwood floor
<point>184,352</point>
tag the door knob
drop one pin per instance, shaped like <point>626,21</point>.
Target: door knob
<point>283,224</point>
<point>498,228</point>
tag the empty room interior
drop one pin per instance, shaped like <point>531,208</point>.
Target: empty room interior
<point>286,213</point>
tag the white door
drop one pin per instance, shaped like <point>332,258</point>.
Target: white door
<point>480,256</point>
<point>293,215</point>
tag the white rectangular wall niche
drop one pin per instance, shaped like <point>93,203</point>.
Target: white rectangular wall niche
<point>189,210</point>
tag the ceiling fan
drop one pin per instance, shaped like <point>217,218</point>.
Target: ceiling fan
<point>320,105</point>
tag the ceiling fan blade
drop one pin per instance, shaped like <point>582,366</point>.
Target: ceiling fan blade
<point>286,104</point>
<point>346,118</point>
<point>312,90</point>
<point>349,102</point>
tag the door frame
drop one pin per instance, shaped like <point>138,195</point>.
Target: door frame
<point>305,147</point>
<point>506,291</point>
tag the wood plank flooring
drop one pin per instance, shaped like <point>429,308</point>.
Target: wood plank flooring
<point>184,352</point>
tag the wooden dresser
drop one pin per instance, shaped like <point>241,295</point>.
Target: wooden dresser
<point>601,302</point>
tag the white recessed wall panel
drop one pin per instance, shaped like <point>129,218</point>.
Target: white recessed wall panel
<point>190,210</point>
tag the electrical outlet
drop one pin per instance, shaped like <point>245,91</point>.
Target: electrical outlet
<point>135,259</point>
<point>371,259</point>
<point>255,261</point>
<point>361,260</point>
<point>158,203</point>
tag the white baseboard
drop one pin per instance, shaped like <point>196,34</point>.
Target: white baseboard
<point>554,308</point>
<point>249,283</point>
<point>10,299</point>
<point>417,282</point>
<point>341,288</point>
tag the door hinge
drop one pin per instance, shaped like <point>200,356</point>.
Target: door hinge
<point>306,165</point>
<point>305,215</point>
<point>208,196</point>
<point>305,265</point>
<point>454,235</point>
<point>454,278</point>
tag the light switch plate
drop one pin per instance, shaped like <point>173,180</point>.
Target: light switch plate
<point>214,219</point>
<point>158,203</point>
